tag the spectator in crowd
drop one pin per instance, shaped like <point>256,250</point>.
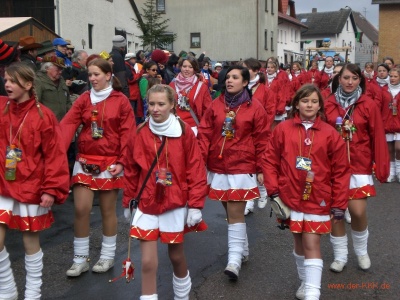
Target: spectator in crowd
<point>51,88</point>
<point>117,53</point>
<point>70,49</point>
<point>29,51</point>
<point>133,74</point>
<point>389,61</point>
<point>80,82</point>
<point>46,50</point>
<point>217,69</point>
<point>8,55</point>
<point>161,58</point>
<point>60,45</point>
<point>171,69</point>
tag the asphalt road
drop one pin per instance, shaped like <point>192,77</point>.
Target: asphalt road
<point>269,274</point>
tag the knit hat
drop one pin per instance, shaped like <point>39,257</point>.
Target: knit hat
<point>7,53</point>
<point>182,53</point>
<point>47,46</point>
<point>57,61</point>
<point>218,65</point>
<point>59,42</point>
<point>119,41</point>
<point>105,55</point>
<point>28,42</point>
<point>130,55</point>
<point>159,56</point>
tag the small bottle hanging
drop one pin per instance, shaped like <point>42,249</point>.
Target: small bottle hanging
<point>11,163</point>
<point>96,131</point>
<point>394,107</point>
<point>227,129</point>
<point>161,184</point>
<point>308,186</point>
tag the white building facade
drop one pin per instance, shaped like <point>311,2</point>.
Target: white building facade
<point>91,24</point>
<point>224,29</point>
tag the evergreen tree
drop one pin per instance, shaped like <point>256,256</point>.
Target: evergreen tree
<point>154,28</point>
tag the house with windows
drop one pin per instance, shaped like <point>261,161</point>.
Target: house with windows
<point>89,24</point>
<point>334,28</point>
<point>389,28</point>
<point>367,42</point>
<point>289,33</point>
<point>224,29</point>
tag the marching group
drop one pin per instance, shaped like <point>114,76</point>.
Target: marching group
<point>170,131</point>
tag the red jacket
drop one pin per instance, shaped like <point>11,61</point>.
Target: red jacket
<point>391,122</point>
<point>329,164</point>
<point>133,82</point>
<point>118,124</point>
<point>374,91</point>
<point>267,99</point>
<point>242,154</point>
<point>311,76</point>
<point>323,79</point>
<point>43,167</point>
<point>292,87</point>
<point>189,182</point>
<point>326,92</point>
<point>280,90</point>
<point>369,141</point>
<point>198,102</point>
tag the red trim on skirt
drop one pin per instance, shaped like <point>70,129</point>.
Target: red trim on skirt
<point>154,234</point>
<point>317,227</point>
<point>103,184</point>
<point>31,224</point>
<point>234,194</point>
<point>362,192</point>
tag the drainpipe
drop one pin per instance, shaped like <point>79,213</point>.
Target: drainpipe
<point>257,28</point>
<point>58,17</point>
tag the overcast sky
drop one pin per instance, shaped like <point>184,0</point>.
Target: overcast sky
<point>372,11</point>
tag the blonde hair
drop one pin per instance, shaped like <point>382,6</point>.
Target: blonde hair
<point>19,71</point>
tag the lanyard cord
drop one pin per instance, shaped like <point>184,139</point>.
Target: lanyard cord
<point>312,140</point>
<point>166,151</point>
<point>102,114</point>
<point>19,131</point>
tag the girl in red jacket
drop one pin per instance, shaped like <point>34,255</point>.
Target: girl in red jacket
<point>391,119</point>
<point>359,120</point>
<point>307,168</point>
<point>34,176</point>
<point>233,135</point>
<point>165,207</point>
<point>193,95</point>
<point>107,134</point>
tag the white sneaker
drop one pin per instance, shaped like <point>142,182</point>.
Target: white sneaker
<point>249,207</point>
<point>232,271</point>
<point>301,291</point>
<point>262,202</point>
<point>337,266</point>
<point>103,265</point>
<point>347,216</point>
<point>78,269</point>
<point>364,262</point>
<point>391,178</point>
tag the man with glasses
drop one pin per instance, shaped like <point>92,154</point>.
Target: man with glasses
<point>60,45</point>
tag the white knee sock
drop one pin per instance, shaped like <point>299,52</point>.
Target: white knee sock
<point>8,288</point>
<point>149,297</point>
<point>300,266</point>
<point>33,267</point>
<point>360,241</point>
<point>263,191</point>
<point>236,241</point>
<point>397,166</point>
<point>108,247</point>
<point>182,287</point>
<point>81,249</point>
<point>340,250</point>
<point>246,251</point>
<point>393,167</point>
<point>313,269</point>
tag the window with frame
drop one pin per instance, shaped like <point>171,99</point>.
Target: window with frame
<point>272,41</point>
<point>90,37</point>
<point>266,39</point>
<point>195,40</point>
<point>160,6</point>
<point>170,46</point>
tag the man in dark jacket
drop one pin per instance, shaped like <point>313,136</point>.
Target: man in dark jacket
<point>117,53</point>
<point>29,51</point>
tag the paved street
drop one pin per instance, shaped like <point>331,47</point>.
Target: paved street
<point>269,274</point>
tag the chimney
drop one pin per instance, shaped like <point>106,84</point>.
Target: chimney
<point>314,10</point>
